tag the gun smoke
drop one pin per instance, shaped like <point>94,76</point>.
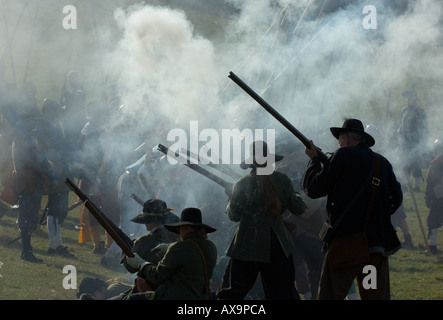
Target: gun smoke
<point>312,60</point>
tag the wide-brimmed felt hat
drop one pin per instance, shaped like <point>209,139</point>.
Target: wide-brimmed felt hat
<point>410,94</point>
<point>189,217</point>
<point>261,148</point>
<point>155,211</point>
<point>353,125</point>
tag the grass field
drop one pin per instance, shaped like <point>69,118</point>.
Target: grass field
<point>30,281</point>
<point>414,275</point>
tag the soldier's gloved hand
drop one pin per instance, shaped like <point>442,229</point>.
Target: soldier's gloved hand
<point>160,248</point>
<point>135,262</point>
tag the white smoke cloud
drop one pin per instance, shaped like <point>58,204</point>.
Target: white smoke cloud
<point>313,62</point>
<point>162,62</point>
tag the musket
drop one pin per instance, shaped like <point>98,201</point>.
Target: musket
<point>120,238</point>
<point>222,168</point>
<point>75,205</point>
<point>225,184</point>
<point>137,199</point>
<point>42,221</point>
<point>276,115</point>
<point>46,211</point>
<point>14,240</point>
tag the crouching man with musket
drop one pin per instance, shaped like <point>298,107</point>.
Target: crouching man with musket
<point>152,246</point>
<point>186,268</point>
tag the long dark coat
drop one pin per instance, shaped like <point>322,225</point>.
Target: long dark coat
<point>346,181</point>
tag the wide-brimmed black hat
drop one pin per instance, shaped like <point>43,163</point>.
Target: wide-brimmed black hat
<point>154,211</point>
<point>353,125</point>
<point>262,148</point>
<point>189,217</point>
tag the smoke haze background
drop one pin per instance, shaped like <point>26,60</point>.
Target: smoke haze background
<point>312,60</point>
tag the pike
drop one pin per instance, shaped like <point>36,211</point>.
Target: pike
<point>120,238</point>
<point>7,49</point>
<point>428,250</point>
<point>276,115</point>
<point>225,184</point>
<point>30,45</point>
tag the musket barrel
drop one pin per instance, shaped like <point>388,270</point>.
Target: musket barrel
<point>225,184</point>
<point>137,199</point>
<point>275,114</point>
<point>120,238</point>
<point>222,168</point>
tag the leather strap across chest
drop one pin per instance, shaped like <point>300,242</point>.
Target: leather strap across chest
<point>204,266</point>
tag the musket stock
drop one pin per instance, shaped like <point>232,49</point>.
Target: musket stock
<point>276,115</point>
<point>120,238</point>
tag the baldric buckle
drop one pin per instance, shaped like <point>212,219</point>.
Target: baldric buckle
<point>376,181</point>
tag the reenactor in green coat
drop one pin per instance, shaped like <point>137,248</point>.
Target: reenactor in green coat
<point>154,216</point>
<point>261,244</point>
<point>186,268</point>
<point>151,246</point>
